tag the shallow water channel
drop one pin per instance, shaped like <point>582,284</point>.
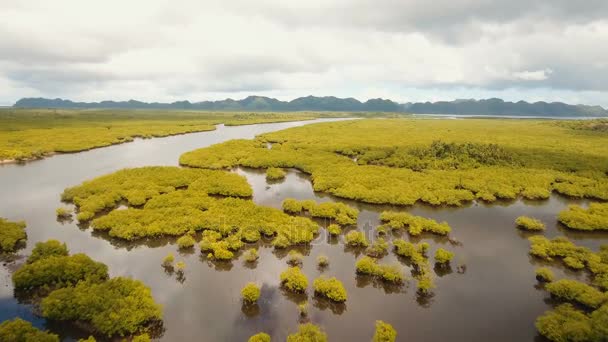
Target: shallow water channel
<point>496,298</point>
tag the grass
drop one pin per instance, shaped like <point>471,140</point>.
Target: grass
<point>439,162</point>
<point>35,133</point>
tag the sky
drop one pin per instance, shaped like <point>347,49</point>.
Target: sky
<point>404,50</point>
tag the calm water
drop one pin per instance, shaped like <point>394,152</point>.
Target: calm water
<point>496,298</point>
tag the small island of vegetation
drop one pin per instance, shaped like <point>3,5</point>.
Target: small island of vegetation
<point>12,235</point>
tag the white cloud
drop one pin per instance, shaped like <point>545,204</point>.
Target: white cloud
<point>196,50</point>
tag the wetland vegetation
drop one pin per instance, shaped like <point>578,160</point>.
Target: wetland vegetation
<point>213,206</point>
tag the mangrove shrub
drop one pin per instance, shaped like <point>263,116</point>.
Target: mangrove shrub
<point>330,288</point>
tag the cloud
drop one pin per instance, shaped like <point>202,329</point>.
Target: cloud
<point>196,50</point>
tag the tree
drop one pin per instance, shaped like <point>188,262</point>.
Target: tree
<point>384,332</point>
<point>18,330</point>
<point>250,293</point>
<point>294,280</point>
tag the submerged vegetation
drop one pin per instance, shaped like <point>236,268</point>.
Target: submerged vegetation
<point>77,289</point>
<point>438,162</point>
<point>529,223</point>
<point>594,218</point>
<point>11,235</point>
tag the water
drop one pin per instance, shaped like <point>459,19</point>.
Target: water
<point>497,298</point>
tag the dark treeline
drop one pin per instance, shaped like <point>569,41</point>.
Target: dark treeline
<point>330,103</point>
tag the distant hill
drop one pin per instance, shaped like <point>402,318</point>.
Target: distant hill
<point>331,103</point>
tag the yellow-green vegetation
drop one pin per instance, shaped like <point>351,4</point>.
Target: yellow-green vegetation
<point>356,238</point>
<point>275,173</point>
<point>566,324</point>
<point>334,229</point>
<point>434,161</point>
<point>594,218</point>
<point>573,256</point>
<point>529,223</point>
<point>544,275</point>
<point>63,212</point>
<point>18,330</point>
<point>259,337</point>
<point>46,249</point>
<point>330,288</point>
<point>414,225</point>
<point>322,261</point>
<point>176,201</point>
<point>340,212</point>
<point>308,333</point>
<point>572,290</point>
<point>50,267</point>
<point>119,306</point>
<point>378,248</point>
<point>390,273</point>
<point>137,186</point>
<point>417,256</point>
<point>294,258</point>
<point>294,280</point>
<point>12,234</point>
<point>80,291</point>
<point>186,241</point>
<point>384,332</point>
<point>180,266</point>
<point>443,257</point>
<point>168,260</point>
<point>250,293</point>
<point>141,338</point>
<point>251,255</point>
<point>35,133</point>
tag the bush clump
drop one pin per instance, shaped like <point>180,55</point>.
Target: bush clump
<point>573,290</point>
<point>389,273</point>
<point>529,223</point>
<point>573,256</point>
<point>46,249</point>
<point>384,332</point>
<point>18,330</point>
<point>544,275</point>
<point>594,218</point>
<point>415,225</point>
<point>308,333</point>
<point>294,280</point>
<point>334,229</point>
<point>443,257</point>
<point>275,173</point>
<point>251,255</point>
<point>340,212</point>
<point>185,242</point>
<point>294,258</point>
<point>63,212</point>
<point>259,337</point>
<point>355,238</point>
<point>322,261</point>
<point>59,271</point>
<point>330,288</point>
<point>117,307</point>
<point>168,260</point>
<point>250,293</point>
<point>11,235</point>
<point>378,248</point>
<point>564,324</point>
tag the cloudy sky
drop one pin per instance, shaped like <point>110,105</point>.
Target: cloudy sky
<point>405,50</point>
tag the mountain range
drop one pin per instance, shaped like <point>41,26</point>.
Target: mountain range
<point>491,106</point>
